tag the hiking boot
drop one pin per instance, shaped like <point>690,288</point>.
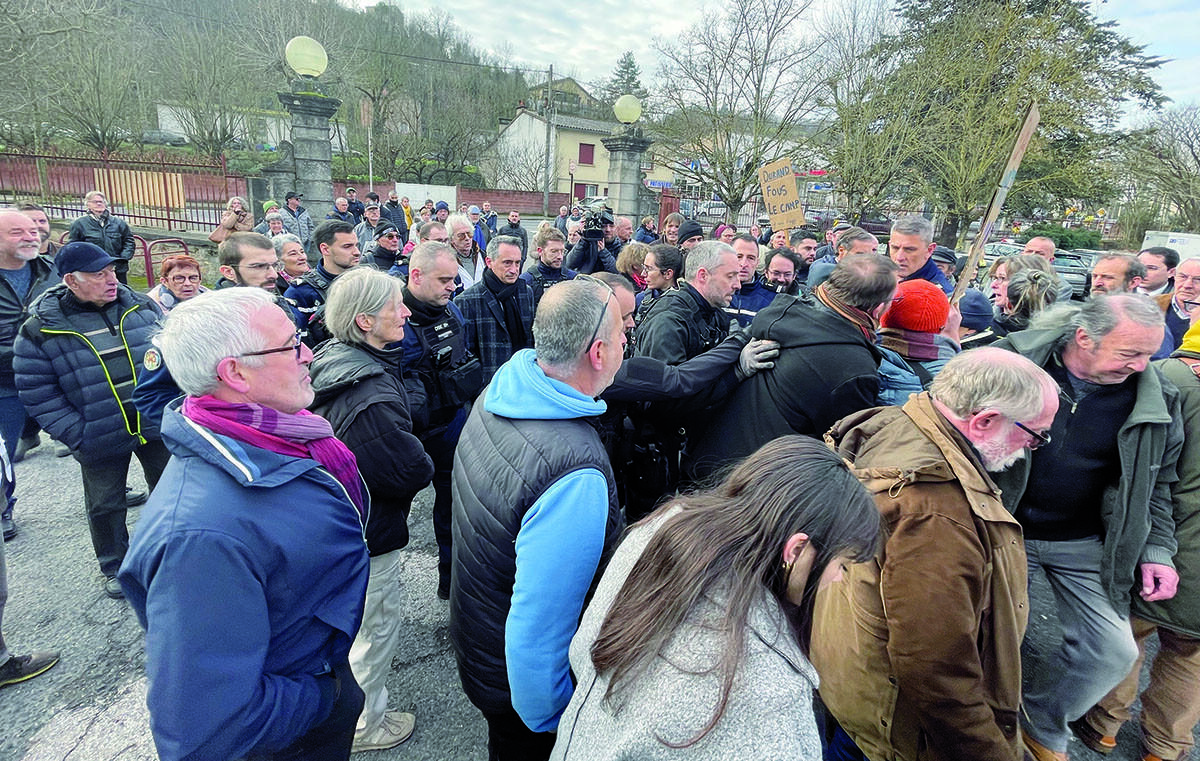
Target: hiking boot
<point>9,527</point>
<point>1038,752</point>
<point>20,668</point>
<point>1092,737</point>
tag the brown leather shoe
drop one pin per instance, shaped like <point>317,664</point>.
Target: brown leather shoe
<point>1091,737</point>
<point>1038,752</point>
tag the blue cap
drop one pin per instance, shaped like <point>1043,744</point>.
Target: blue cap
<point>975,309</point>
<point>474,210</point>
<point>441,205</point>
<point>81,257</point>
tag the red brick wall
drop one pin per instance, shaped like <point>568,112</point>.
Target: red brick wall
<point>504,201</point>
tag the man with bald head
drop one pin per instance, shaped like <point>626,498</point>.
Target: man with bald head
<point>24,275</point>
<point>1040,246</point>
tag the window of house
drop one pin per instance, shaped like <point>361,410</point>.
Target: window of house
<point>587,153</point>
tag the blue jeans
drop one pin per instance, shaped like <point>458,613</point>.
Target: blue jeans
<point>12,422</point>
<point>1097,650</point>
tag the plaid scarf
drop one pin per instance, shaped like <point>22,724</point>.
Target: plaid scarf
<point>865,322</point>
<point>910,344</point>
<point>302,435</point>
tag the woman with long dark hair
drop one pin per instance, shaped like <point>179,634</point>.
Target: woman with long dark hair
<point>697,635</point>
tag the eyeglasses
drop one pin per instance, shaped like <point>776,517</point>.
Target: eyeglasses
<point>389,235</point>
<point>603,312</point>
<point>1039,439</point>
<point>263,266</point>
<point>295,346</point>
<point>181,279</point>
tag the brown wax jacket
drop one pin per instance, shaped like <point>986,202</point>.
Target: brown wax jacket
<point>919,650</point>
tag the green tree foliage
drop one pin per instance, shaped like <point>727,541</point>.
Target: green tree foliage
<point>958,76</point>
<point>626,79</point>
<point>1063,237</point>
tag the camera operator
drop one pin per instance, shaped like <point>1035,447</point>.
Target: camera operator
<point>598,245</point>
<point>445,377</point>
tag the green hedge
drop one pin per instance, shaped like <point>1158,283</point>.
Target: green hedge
<point>1063,237</point>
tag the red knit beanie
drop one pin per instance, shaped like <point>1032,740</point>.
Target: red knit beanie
<point>919,306</point>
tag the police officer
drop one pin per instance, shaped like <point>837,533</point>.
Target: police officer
<point>445,376</point>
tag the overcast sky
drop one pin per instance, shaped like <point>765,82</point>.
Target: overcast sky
<point>585,39</point>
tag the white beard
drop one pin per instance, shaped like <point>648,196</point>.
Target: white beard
<point>995,458</point>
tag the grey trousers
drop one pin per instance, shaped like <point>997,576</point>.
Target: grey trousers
<point>1097,650</point>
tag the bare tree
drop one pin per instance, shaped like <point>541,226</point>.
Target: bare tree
<point>870,132</point>
<point>519,166</point>
<point>735,92</point>
<point>1167,160</point>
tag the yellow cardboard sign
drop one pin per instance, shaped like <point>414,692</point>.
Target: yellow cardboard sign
<point>781,195</point>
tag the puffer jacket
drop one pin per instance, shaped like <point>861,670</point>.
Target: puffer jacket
<point>919,650</point>
<point>64,385</point>
<point>360,392</point>
<point>1136,511</point>
<point>14,311</point>
<point>109,233</point>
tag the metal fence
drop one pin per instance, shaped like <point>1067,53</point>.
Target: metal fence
<point>162,191</point>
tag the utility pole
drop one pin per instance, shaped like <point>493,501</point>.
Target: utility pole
<point>549,114</point>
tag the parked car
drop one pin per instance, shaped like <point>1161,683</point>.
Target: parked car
<point>590,201</point>
<point>163,137</point>
<point>687,207</point>
<point>1076,268</point>
<point>820,219</point>
<point>877,224</point>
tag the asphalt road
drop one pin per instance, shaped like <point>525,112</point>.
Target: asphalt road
<point>91,707</point>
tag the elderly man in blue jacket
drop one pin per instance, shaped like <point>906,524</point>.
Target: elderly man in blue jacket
<point>249,568</point>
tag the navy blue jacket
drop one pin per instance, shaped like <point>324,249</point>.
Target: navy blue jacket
<point>248,572</point>
<point>749,300</point>
<point>65,386</point>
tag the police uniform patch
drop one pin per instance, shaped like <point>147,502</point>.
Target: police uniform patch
<point>152,359</point>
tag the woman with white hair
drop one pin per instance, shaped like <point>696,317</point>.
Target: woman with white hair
<point>356,378</point>
<point>236,219</point>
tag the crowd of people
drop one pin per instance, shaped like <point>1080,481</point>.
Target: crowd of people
<point>682,483</point>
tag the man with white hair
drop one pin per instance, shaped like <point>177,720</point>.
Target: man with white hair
<point>248,569</point>
<point>106,230</point>
<point>78,359</point>
<point>932,627</point>
<point>536,516</point>
<point>460,232</point>
<point>1094,503</point>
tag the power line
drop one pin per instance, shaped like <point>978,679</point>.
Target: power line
<point>405,56</point>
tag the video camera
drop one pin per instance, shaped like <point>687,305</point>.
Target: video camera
<point>595,217</point>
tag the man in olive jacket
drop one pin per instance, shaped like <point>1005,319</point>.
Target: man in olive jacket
<point>1171,702</point>
<point>919,651</point>
<point>1095,503</point>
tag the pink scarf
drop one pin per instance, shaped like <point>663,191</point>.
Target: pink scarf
<point>303,435</point>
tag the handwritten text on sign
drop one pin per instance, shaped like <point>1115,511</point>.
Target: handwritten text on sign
<point>781,196</point>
